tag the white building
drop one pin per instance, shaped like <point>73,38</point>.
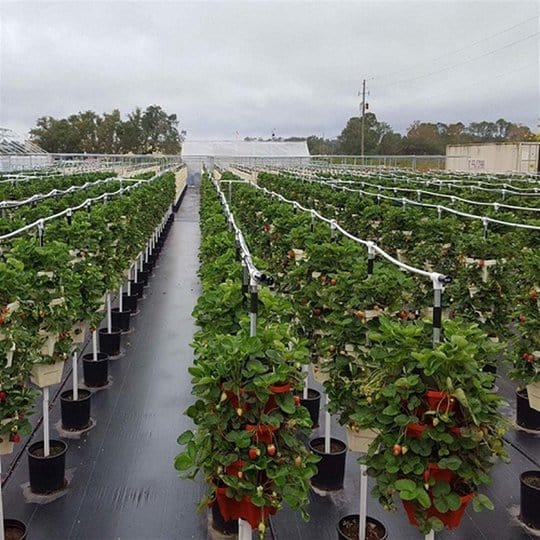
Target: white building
<point>518,157</point>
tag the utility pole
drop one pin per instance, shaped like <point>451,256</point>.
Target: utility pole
<point>363,115</point>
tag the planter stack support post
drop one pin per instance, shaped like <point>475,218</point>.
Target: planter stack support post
<point>430,535</point>
<point>120,299</point>
<point>94,346</point>
<point>46,436</point>
<point>327,433</point>
<point>129,281</point>
<point>109,315</point>
<point>75,376</point>
<point>244,528</point>
<point>363,503</point>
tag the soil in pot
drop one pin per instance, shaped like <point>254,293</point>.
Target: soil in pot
<point>530,498</point>
<point>331,467</point>
<point>109,342</point>
<point>47,473</point>
<point>75,413</point>
<point>14,529</point>
<point>348,528</point>
<point>96,372</point>
<point>526,416</point>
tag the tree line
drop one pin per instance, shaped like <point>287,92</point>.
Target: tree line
<point>142,132</point>
<point>422,138</point>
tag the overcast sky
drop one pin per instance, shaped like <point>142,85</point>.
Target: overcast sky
<point>252,67</point>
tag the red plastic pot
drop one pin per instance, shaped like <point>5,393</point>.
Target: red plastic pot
<point>262,432</point>
<point>438,473</point>
<point>437,400</point>
<point>415,431</point>
<point>232,509</point>
<point>451,519</point>
<point>280,388</point>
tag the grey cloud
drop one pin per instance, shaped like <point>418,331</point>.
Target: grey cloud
<point>257,66</point>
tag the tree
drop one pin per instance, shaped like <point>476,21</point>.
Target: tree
<point>350,139</point>
<point>87,132</point>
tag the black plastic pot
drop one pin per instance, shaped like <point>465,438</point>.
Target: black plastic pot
<point>147,267</point>
<point>14,529</point>
<point>530,498</point>
<point>220,524</point>
<point>152,258</point>
<point>526,416</point>
<point>370,523</point>
<point>47,474</point>
<point>96,372</point>
<point>312,404</point>
<point>331,467</point>
<point>137,289</point>
<point>129,302</point>
<point>121,319</point>
<point>109,342</point>
<point>75,414</point>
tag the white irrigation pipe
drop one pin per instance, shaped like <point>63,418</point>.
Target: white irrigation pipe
<point>485,220</point>
<point>68,211</point>
<point>453,198</point>
<point>37,197</point>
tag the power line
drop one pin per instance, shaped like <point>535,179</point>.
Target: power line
<point>493,51</point>
<point>474,43</point>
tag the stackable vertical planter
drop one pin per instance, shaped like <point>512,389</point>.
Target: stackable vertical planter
<point>533,392</point>
<point>96,372</point>
<point>312,403</point>
<point>109,342</point>
<point>47,474</point>
<point>526,416</point>
<point>43,375</point>
<point>75,413</point>
<point>121,319</point>
<point>331,467</point>
<point>14,529</point>
<point>530,498</point>
<point>348,528</point>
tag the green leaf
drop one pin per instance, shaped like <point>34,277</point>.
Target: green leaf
<point>185,437</point>
<point>405,484</point>
<point>481,502</point>
<point>286,402</point>
<point>182,462</point>
<point>453,463</point>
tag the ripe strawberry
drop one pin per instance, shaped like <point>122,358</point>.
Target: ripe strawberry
<point>254,453</point>
<point>396,449</point>
<point>297,400</point>
<point>360,314</point>
<point>15,437</point>
<point>3,396</point>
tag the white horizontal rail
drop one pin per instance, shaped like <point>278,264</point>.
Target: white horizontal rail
<point>39,223</point>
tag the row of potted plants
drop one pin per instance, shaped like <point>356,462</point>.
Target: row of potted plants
<point>247,412</point>
<point>358,370</point>
<point>495,279</point>
<point>52,292</point>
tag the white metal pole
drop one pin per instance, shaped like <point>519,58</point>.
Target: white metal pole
<point>430,535</point>
<point>46,436</point>
<point>306,382</point>
<point>120,299</point>
<point>244,530</point>
<point>129,281</point>
<point>75,376</point>
<point>1,505</point>
<point>327,428</point>
<point>363,503</point>
<point>109,314</point>
<point>94,345</point>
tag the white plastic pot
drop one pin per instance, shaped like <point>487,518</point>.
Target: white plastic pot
<point>43,375</point>
<point>533,391</point>
<point>359,441</point>
<point>6,446</point>
<point>47,349</point>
